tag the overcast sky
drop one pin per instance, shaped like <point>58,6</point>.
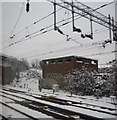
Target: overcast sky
<point>52,44</point>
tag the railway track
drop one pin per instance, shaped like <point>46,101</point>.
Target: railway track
<point>60,100</point>
<point>44,108</point>
<point>73,103</point>
<point>3,117</point>
<point>16,111</point>
<point>56,111</point>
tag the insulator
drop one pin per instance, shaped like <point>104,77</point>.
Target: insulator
<point>82,35</point>
<point>76,29</point>
<point>27,7</point>
<point>89,36</point>
<point>60,31</point>
<point>108,41</point>
<point>115,37</point>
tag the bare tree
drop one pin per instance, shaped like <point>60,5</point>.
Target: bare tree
<point>36,64</point>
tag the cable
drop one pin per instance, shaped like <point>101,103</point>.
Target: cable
<point>33,24</point>
<point>17,20</point>
<point>66,49</point>
<point>52,45</point>
<point>42,32</point>
<point>105,5</point>
<point>15,24</point>
<point>48,16</point>
<point>77,18</point>
<point>102,53</point>
<point>47,47</point>
<point>61,50</point>
<point>52,24</point>
<point>23,39</point>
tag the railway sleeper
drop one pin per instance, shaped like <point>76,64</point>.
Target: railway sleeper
<point>54,113</point>
<point>60,110</point>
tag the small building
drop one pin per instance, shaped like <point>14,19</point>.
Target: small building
<point>5,70</point>
<point>57,67</point>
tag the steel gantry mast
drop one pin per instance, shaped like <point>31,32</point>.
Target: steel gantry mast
<point>89,13</point>
<point>86,11</point>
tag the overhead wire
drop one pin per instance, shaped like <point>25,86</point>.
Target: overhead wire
<point>52,24</point>
<point>91,54</point>
<point>29,36</point>
<point>15,23</point>
<point>104,5</point>
<point>33,24</point>
<point>61,50</point>
<point>81,16</point>
<point>17,19</point>
<point>45,31</point>
<point>23,39</point>
<point>102,53</point>
<point>70,48</point>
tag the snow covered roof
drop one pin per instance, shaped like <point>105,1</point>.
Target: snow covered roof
<point>68,57</point>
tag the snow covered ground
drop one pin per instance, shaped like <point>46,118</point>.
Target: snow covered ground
<point>33,85</point>
<point>83,99</point>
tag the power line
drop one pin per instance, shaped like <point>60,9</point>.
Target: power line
<point>101,53</point>
<point>57,22</point>
<point>17,21</point>
<point>53,45</point>
<point>34,23</point>
<point>66,49</point>
<point>104,5</point>
<point>80,16</point>
<point>29,36</point>
<point>23,39</point>
<point>61,50</point>
<point>15,24</point>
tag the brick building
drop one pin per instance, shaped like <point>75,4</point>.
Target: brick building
<point>57,67</point>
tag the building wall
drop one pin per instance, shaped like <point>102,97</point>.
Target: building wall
<point>6,72</point>
<point>85,62</point>
<point>61,66</point>
<point>0,75</point>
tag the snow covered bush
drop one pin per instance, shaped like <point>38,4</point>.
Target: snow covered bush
<point>82,81</point>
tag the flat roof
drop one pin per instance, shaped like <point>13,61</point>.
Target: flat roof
<point>68,57</point>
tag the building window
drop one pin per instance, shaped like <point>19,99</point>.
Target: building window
<point>79,60</point>
<point>47,62</point>
<point>93,62</point>
<point>87,63</point>
<point>68,60</point>
<point>60,61</point>
<point>52,62</point>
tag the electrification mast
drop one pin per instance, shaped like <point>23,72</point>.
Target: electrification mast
<point>89,13</point>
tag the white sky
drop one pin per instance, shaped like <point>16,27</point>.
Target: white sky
<point>52,44</point>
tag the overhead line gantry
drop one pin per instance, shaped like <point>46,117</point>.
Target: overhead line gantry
<point>89,13</point>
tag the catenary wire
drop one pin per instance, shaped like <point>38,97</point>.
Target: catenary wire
<point>33,24</point>
<point>62,20</point>
<point>17,19</point>
<point>61,50</point>
<point>15,23</point>
<point>66,49</point>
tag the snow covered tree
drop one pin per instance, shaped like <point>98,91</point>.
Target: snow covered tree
<point>114,79</point>
<point>36,64</point>
<point>81,80</point>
